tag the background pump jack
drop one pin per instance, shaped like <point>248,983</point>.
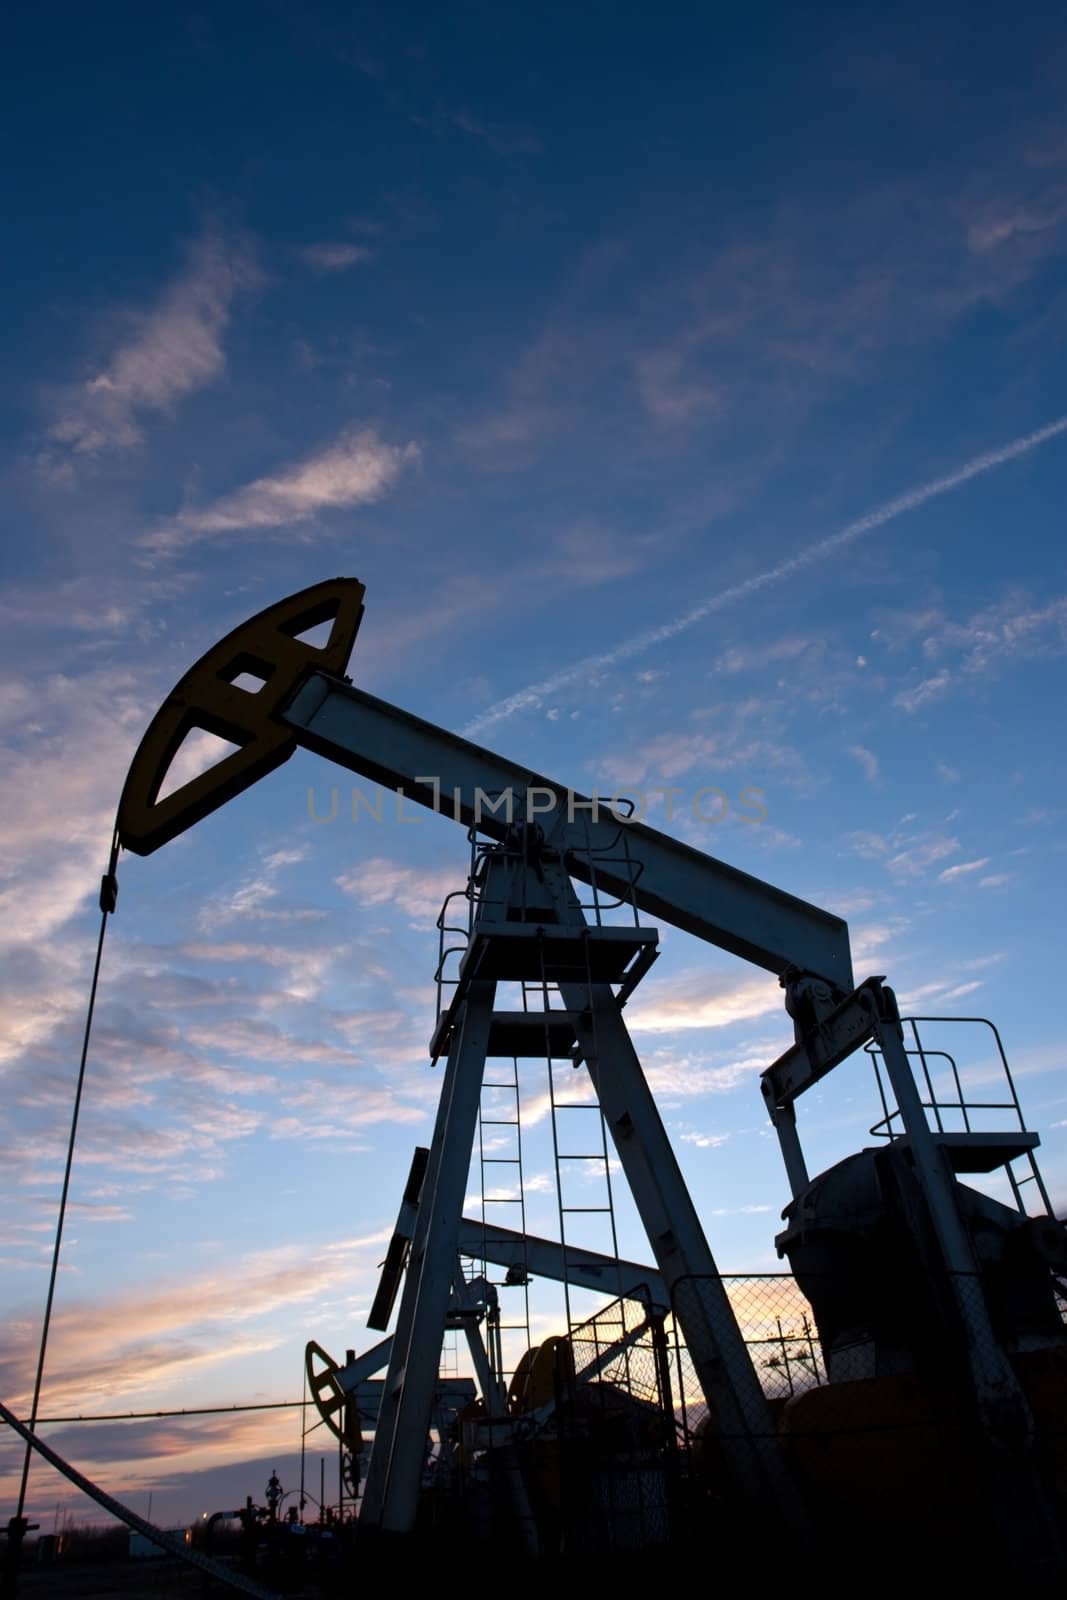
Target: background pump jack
<point>527,926</point>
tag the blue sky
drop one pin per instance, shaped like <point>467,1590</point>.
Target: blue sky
<point>555,326</point>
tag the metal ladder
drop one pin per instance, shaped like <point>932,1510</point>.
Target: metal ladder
<point>448,1366</point>
<point>499,1118</point>
<point>564,1159</point>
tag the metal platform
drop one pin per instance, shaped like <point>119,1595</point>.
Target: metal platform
<point>979,1152</point>
<point>529,1034</point>
<point>532,952</point>
<point>541,956</point>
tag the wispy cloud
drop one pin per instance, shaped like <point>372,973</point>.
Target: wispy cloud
<point>751,659</point>
<point>866,758</point>
<point>913,862</point>
<point>171,350</point>
<point>990,640</point>
<point>572,1089</point>
<point>59,781</point>
<point>505,138</point>
<point>334,257</point>
<point>962,870</point>
<point>784,306</point>
<point>255,897</point>
<point>532,696</point>
<point>299,970</point>
<point>668,393</point>
<point>1003,221</point>
<point>961,989</point>
<point>253,1039</point>
<point>676,1075</point>
<point>707,1141</point>
<point>417,892</point>
<point>356,469</point>
<point>698,999</point>
<point>907,854</point>
<point>199,1050</point>
<point>920,694</point>
<point>354,1108</point>
<point>138,1340</point>
<point>673,755</point>
<point>81,605</point>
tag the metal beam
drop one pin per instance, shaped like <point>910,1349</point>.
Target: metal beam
<point>666,878</point>
<point>545,1258</point>
<point>390,1496</point>
<point>397,1254</point>
<point>367,1394</point>
<point>360,1369</point>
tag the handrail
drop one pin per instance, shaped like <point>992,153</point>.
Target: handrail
<point>963,1105</point>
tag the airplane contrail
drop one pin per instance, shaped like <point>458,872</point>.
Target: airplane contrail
<point>534,693</point>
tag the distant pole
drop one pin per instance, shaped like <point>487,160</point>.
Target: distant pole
<point>303,1441</point>
<point>322,1488</point>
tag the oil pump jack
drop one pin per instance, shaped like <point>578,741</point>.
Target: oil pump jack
<point>886,1231</point>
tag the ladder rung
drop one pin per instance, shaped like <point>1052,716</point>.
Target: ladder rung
<point>604,1211</point>
<point>598,1157</point>
<point>500,1122</point>
<point>501,1161</point>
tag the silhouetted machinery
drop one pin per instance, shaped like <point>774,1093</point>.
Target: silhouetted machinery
<point>870,1274</point>
<point>939,1305</point>
<point>941,1386</point>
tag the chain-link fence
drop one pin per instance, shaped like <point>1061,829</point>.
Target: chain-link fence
<point>898,1415</point>
<point>873,1414</point>
<point>617,1430</point>
<point>777,1330</point>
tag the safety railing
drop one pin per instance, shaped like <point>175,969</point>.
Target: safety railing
<point>949,1106</point>
<point>455,923</point>
<point>463,907</point>
<point>598,858</point>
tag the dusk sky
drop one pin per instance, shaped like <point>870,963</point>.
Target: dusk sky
<point>688,388</point>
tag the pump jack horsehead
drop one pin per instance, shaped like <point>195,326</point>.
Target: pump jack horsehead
<point>528,925</point>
